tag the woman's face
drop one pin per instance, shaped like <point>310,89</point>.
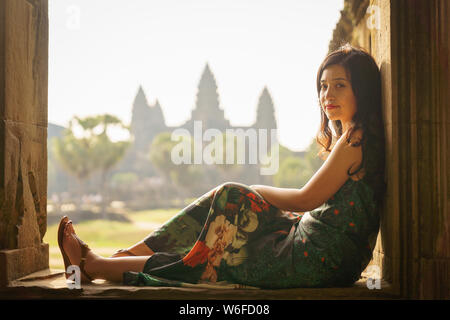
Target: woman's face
<point>337,99</point>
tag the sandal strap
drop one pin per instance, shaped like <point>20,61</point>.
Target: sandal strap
<point>84,250</point>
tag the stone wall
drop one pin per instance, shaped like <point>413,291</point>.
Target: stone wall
<point>411,47</point>
<point>23,136</point>
<point>421,93</point>
<point>409,39</point>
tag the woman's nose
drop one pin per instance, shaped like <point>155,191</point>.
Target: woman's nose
<point>329,93</point>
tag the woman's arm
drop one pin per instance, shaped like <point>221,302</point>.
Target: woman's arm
<point>322,186</point>
<point>283,198</point>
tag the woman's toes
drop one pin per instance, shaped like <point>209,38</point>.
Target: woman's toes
<point>66,232</point>
<point>70,226</point>
<point>64,219</point>
<point>70,245</point>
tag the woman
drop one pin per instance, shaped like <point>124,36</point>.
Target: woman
<point>321,235</point>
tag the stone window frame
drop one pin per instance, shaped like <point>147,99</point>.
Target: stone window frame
<point>412,50</point>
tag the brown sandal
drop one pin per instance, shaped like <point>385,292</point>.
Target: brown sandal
<point>84,249</point>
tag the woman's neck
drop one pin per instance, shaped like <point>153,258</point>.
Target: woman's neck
<point>346,126</point>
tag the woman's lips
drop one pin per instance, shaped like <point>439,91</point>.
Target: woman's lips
<point>331,106</point>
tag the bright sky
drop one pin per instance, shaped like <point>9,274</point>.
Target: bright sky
<point>102,50</point>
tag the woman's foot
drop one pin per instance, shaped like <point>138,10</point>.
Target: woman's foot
<point>74,250</point>
<point>92,266</point>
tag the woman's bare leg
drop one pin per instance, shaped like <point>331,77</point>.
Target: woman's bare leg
<point>112,269</point>
<point>138,249</point>
<point>141,248</point>
<point>96,266</point>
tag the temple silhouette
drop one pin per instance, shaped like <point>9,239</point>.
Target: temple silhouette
<point>148,121</point>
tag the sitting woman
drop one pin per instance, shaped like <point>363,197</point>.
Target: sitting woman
<point>320,235</point>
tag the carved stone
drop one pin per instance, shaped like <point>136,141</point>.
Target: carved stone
<point>411,48</point>
<point>23,137</point>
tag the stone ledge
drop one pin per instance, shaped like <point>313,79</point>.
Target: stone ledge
<point>17,263</point>
<point>51,284</point>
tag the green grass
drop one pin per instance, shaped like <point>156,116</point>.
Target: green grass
<point>105,237</point>
<point>153,216</point>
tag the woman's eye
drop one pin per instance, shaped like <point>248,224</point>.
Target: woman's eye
<point>339,85</point>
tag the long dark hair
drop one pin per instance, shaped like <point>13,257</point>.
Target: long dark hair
<point>365,80</point>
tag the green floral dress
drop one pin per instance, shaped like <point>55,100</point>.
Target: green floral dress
<point>232,237</point>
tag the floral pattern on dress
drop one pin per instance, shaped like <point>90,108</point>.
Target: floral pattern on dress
<point>232,235</point>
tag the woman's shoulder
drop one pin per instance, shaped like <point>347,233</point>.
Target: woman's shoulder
<point>350,147</point>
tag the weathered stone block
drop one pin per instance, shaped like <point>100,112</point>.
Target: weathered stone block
<point>25,61</point>
<point>23,186</point>
<point>23,137</point>
<point>17,263</point>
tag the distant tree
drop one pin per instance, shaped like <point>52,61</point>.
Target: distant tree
<point>160,154</point>
<point>189,178</point>
<point>311,156</point>
<point>122,185</point>
<point>108,152</point>
<point>293,173</point>
<point>74,155</point>
<point>86,147</point>
<point>124,178</point>
<point>229,169</point>
<point>284,153</point>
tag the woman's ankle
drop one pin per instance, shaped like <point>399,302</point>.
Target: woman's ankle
<point>93,265</point>
<point>140,249</point>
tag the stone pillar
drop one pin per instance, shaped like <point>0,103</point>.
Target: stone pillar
<point>411,46</point>
<point>374,32</point>
<point>420,40</point>
<point>371,29</point>
<point>23,137</point>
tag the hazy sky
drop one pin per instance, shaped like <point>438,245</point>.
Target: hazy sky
<point>102,50</point>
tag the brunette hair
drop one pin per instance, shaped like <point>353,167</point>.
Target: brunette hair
<point>365,81</point>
